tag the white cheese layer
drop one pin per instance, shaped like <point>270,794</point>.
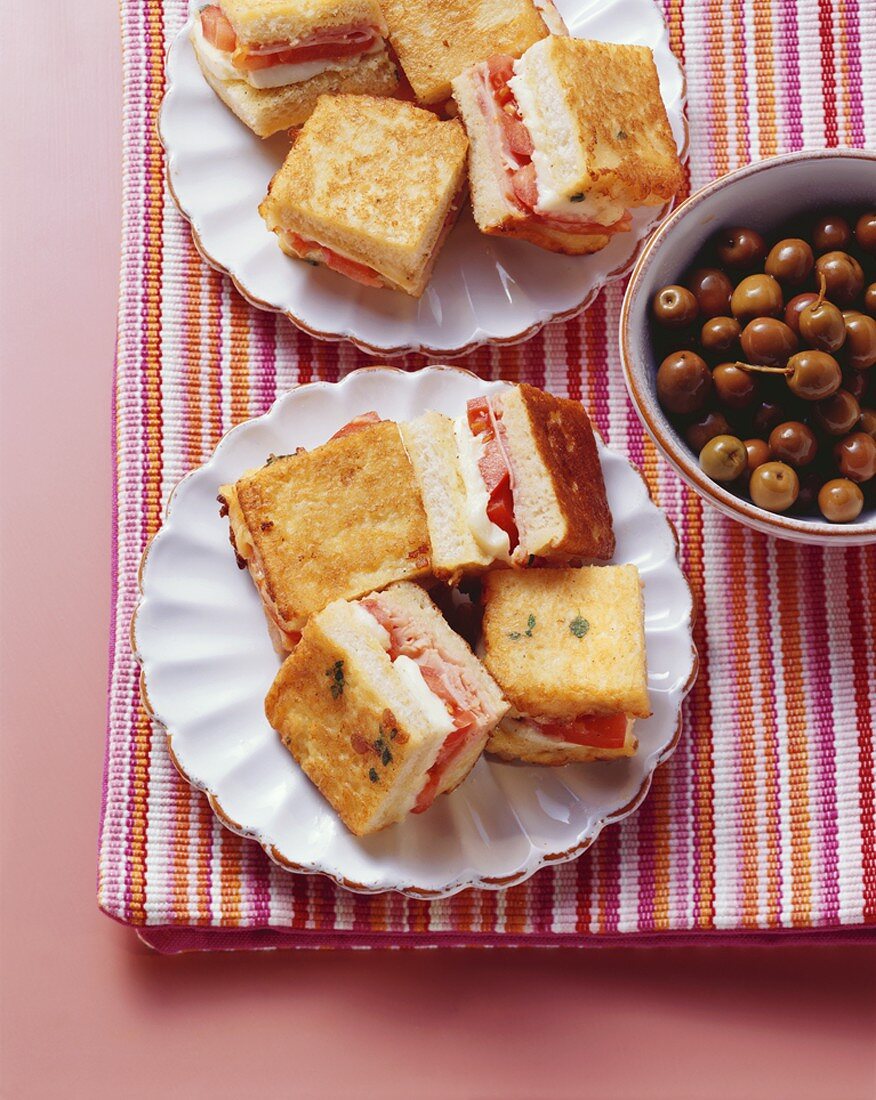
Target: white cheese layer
<point>491,538</point>
<point>277,76</point>
<point>433,708</point>
<point>368,623</point>
<point>551,197</point>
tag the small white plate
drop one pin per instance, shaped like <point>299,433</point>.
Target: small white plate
<point>483,289</point>
<point>207,663</point>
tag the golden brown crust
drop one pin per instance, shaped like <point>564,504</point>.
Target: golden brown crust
<point>524,228</point>
<point>262,21</point>
<point>567,446</point>
<point>336,522</point>
<point>436,39</point>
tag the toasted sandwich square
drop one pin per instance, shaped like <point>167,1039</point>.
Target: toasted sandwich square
<point>567,648</point>
<point>371,188</point>
<point>341,520</point>
<point>271,60</point>
<point>566,141</point>
<point>436,39</point>
<point>383,706</point>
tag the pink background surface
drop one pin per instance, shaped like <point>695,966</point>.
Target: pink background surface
<point>87,1011</point>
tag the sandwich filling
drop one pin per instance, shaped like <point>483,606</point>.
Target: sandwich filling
<point>598,731</point>
<point>276,64</point>
<point>522,168</point>
<point>469,715</point>
<point>489,478</point>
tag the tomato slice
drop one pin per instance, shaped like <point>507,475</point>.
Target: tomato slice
<point>494,471</point>
<point>478,410</point>
<point>453,742</point>
<point>360,273</point>
<point>598,731</point>
<point>525,186</point>
<point>296,55</point>
<point>217,30</point>
<point>358,422</point>
<point>516,134</point>
<point>501,69</point>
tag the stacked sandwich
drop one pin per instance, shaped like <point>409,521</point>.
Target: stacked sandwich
<point>560,139</point>
<point>380,701</point>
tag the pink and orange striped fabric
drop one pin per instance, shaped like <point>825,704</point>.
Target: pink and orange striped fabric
<point>763,821</point>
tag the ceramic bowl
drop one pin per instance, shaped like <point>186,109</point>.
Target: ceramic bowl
<point>761,195</point>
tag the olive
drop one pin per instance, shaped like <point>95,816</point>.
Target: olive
<point>712,290</point>
<point>795,307</point>
<point>856,456</point>
<point>822,326</point>
<point>860,340</point>
<point>794,443</point>
<point>840,500</point>
<point>767,416</point>
<point>855,381</point>
<point>790,261</point>
<point>865,231</point>
<point>719,334</point>
<point>757,453</point>
<point>870,299</point>
<point>768,342</point>
<point>740,248</point>
<point>843,276</point>
<point>774,486</point>
<point>683,382</point>
<point>756,296</point>
<point>674,306</point>
<point>838,414</point>
<point>723,458</point>
<point>813,375</point>
<point>705,428</point>
<point>867,423</point>
<point>831,232</point>
<point>733,385</point>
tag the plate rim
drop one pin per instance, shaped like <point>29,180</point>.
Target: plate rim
<point>316,867</point>
<point>419,348</point>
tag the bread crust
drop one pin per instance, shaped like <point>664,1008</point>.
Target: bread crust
<point>260,22</point>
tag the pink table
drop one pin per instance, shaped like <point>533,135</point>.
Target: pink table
<point>86,1010</point>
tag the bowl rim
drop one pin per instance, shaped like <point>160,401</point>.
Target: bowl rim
<point>814,531</point>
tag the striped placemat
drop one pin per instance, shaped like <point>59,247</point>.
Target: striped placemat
<point>763,821</point>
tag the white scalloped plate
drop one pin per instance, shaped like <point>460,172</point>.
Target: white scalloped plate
<point>207,663</point>
<point>483,289</point>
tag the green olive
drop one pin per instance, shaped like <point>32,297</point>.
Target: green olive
<point>774,486</point>
<point>840,500</point>
<point>723,458</point>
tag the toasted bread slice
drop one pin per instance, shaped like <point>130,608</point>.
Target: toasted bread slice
<point>377,181</point>
<point>436,39</point>
<point>338,521</point>
<point>566,642</point>
<point>260,22</point>
<point>371,735</point>
<point>431,445</point>
<point>519,739</point>
<point>266,111</point>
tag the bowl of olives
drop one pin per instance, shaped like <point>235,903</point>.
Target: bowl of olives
<point>748,340</point>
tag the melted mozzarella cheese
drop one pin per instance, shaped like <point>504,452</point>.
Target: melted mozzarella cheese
<point>551,198</point>
<point>491,538</point>
<point>371,625</point>
<point>433,708</point>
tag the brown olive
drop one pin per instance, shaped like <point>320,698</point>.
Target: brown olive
<point>683,382</point>
<point>867,423</point>
<point>865,231</point>
<point>822,326</point>
<point>705,428</point>
<point>855,381</point>
<point>790,261</point>
<point>719,334</point>
<point>814,375</point>
<point>838,414</point>
<point>843,276</point>
<point>870,299</point>
<point>740,247</point>
<point>860,340</point>
<point>856,456</point>
<point>758,452</point>
<point>712,290</point>
<point>674,306</point>
<point>767,416</point>
<point>723,458</point>
<point>840,500</point>
<point>774,486</point>
<point>794,443</point>
<point>795,307</point>
<point>831,232</point>
<point>768,342</point>
<point>735,387</point>
<point>756,296</point>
